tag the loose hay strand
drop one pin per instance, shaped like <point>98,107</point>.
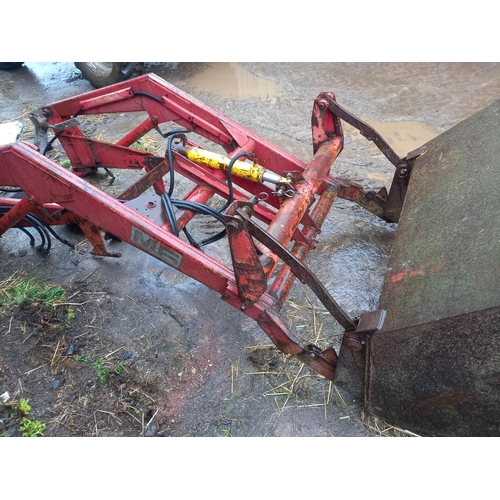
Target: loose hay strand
<point>55,352</point>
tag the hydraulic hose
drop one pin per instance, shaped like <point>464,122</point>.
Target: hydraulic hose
<point>41,227</point>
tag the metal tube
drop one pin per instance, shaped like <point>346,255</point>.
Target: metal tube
<point>284,280</point>
<point>16,213</point>
<point>293,209</point>
<point>143,128</point>
<point>201,194</point>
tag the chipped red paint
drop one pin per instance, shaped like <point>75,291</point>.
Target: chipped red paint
<point>427,269</point>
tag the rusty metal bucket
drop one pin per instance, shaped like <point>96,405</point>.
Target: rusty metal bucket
<point>431,361</point>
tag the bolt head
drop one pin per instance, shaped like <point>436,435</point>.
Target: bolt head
<point>353,342</point>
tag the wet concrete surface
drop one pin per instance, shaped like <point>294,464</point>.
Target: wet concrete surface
<point>408,104</point>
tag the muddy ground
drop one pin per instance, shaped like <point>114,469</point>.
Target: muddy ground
<point>133,348</point>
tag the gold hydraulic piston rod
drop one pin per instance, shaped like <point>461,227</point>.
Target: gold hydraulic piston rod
<point>252,172</point>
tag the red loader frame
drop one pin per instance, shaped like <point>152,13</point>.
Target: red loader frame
<point>264,265</point>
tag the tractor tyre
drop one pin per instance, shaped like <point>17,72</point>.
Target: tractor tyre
<point>7,66</point>
<point>101,74</point>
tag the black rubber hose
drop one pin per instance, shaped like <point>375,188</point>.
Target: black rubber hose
<point>202,210</point>
<point>191,240</point>
<point>171,136</point>
<point>41,227</point>
<point>196,207</point>
<point>44,235</point>
<point>40,233</point>
<point>192,206</point>
<point>216,213</point>
<point>25,231</point>
<point>146,94</point>
<point>230,180</point>
<point>167,202</point>
<point>52,232</point>
<point>169,211</point>
<point>214,238</point>
<point>176,131</point>
<point>4,210</point>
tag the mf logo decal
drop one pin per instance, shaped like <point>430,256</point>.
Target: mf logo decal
<point>142,240</point>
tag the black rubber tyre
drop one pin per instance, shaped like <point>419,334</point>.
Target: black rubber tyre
<point>101,74</point>
<point>7,66</point>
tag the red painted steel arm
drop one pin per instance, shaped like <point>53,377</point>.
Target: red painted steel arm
<point>172,104</point>
<point>57,196</point>
<point>57,189</point>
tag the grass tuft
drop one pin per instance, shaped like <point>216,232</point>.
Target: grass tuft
<point>16,290</point>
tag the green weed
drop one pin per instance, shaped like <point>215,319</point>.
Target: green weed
<point>31,428</point>
<point>101,372</point>
<point>82,358</point>
<point>24,406</point>
<point>28,427</point>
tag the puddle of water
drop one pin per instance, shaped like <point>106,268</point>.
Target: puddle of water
<point>402,136</point>
<point>53,75</point>
<point>232,80</point>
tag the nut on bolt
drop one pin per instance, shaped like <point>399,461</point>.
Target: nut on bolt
<point>314,351</point>
<point>246,304</point>
<point>403,171</point>
<point>353,342</point>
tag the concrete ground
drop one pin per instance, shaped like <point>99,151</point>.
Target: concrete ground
<point>209,367</point>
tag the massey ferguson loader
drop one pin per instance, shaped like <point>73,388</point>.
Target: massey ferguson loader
<point>427,360</point>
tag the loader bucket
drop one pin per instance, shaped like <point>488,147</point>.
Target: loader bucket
<point>432,365</point>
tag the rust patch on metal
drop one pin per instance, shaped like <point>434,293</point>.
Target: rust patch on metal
<point>447,398</point>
